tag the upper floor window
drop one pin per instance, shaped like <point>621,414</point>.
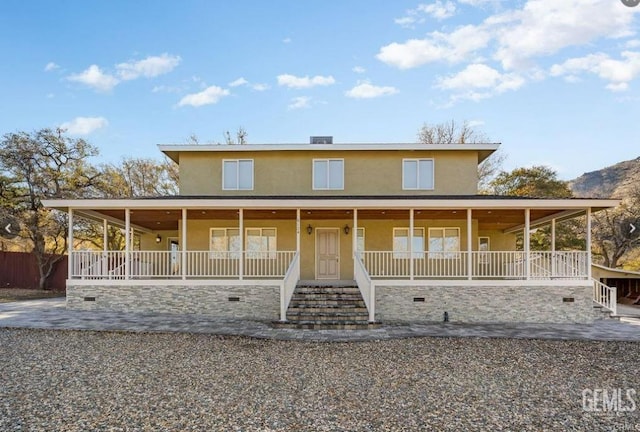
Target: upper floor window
<point>417,174</point>
<point>237,174</point>
<point>328,174</point>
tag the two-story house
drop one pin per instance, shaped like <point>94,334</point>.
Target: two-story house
<point>403,222</point>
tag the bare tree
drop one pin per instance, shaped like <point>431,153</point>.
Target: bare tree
<point>612,234</point>
<point>139,177</point>
<point>462,133</point>
<point>41,165</point>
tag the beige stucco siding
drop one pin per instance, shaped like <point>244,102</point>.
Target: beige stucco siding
<point>378,237</point>
<point>365,172</point>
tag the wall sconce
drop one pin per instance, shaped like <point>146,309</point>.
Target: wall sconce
<point>309,229</point>
<point>158,239</point>
<point>346,229</point>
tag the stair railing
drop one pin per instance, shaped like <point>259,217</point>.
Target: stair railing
<point>366,287</point>
<point>288,286</point>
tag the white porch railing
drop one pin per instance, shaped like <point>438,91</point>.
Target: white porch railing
<point>166,264</point>
<point>288,286</point>
<point>605,296</point>
<point>484,265</point>
<point>367,288</point>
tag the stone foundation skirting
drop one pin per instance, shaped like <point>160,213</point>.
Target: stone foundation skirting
<point>256,302</point>
<point>485,303</point>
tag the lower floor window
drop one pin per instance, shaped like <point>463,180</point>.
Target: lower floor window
<point>444,242</point>
<point>401,243</point>
<point>224,243</point>
<point>261,243</point>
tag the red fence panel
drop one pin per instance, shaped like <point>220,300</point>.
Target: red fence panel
<point>20,270</point>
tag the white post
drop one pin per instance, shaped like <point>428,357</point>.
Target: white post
<point>526,240</point>
<point>411,244</point>
<point>105,235</point>
<point>588,263</point>
<point>298,231</point>
<point>469,246</point>
<point>70,246</point>
<point>127,243</point>
<point>355,233</point>
<point>553,248</point>
<point>241,234</point>
<point>372,302</point>
<point>183,245</point>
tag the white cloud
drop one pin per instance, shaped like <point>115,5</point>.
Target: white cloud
<point>617,72</point>
<point>149,67</point>
<point>84,125</point>
<point>293,81</point>
<point>544,27</point>
<point>210,95</point>
<point>459,45</point>
<point>634,43</point>
<point>366,90</point>
<point>239,82</point>
<point>480,3</point>
<point>299,103</point>
<point>359,69</point>
<point>479,81</point>
<point>95,78</point>
<point>260,87</point>
<point>286,40</point>
<point>517,37</point>
<point>438,10</point>
<point>51,66</point>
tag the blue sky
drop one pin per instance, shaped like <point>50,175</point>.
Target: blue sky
<point>555,81</point>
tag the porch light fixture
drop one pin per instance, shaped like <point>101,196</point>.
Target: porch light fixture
<point>158,239</point>
<point>346,229</point>
<point>309,229</point>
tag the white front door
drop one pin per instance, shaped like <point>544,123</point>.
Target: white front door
<point>327,253</point>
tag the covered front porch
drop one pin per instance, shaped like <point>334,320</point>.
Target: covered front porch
<point>234,243</point>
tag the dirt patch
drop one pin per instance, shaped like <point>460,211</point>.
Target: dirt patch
<point>17,294</point>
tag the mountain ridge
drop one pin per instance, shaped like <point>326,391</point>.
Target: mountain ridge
<point>614,181</point>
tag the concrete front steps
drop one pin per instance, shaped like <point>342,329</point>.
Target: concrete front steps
<point>323,306</point>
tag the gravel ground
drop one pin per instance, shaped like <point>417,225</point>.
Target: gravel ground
<point>107,381</point>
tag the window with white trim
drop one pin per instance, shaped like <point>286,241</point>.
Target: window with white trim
<point>237,174</point>
<point>360,240</point>
<point>401,243</point>
<point>328,174</point>
<point>444,242</point>
<point>224,243</point>
<point>261,243</point>
<point>483,249</point>
<point>417,174</point>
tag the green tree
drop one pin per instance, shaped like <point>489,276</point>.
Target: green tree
<point>542,182</point>
<point>535,182</point>
<point>462,133</point>
<point>44,164</point>
<point>613,240</point>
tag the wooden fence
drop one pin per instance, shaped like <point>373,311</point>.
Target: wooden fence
<point>20,270</point>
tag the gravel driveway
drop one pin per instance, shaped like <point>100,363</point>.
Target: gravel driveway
<point>104,381</point>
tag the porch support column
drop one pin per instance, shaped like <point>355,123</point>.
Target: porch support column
<point>469,246</point>
<point>127,243</point>
<point>553,248</point>
<point>355,233</point>
<point>183,243</point>
<point>526,239</point>
<point>105,235</point>
<point>298,231</point>
<point>70,246</point>
<point>588,263</point>
<point>411,244</point>
<point>241,235</point>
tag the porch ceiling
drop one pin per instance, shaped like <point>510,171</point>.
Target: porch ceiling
<point>166,220</point>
